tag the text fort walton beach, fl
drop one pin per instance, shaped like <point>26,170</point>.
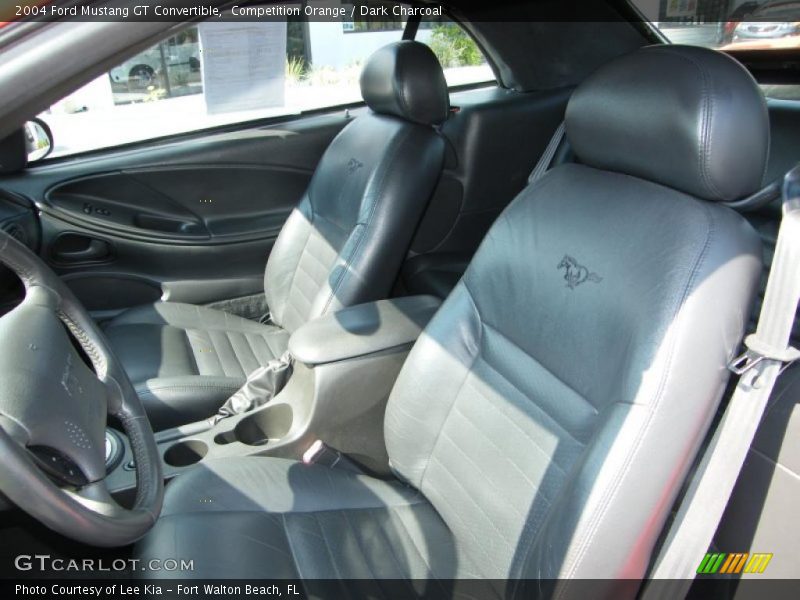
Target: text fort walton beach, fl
<point>123,589</point>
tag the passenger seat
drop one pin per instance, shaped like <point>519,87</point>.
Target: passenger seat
<point>342,245</point>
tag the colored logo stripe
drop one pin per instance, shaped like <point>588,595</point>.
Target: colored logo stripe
<point>734,563</point>
<point>711,563</point>
<point>758,562</point>
<point>730,564</point>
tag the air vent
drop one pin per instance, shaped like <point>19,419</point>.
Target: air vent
<point>15,231</point>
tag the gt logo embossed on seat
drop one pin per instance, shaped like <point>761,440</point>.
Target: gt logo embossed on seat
<point>354,165</point>
<point>575,273</point>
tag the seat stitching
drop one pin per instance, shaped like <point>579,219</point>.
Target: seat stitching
<point>526,525</point>
<point>239,352</point>
<point>406,575</point>
<point>297,292</point>
<point>444,421</point>
<point>467,372</point>
<point>327,545</point>
<point>260,348</point>
<point>505,454</point>
<point>297,312</point>
<point>534,405</point>
<point>360,231</point>
<point>338,226</point>
<point>391,512</point>
<point>190,346</point>
<point>416,547</point>
<point>358,544</point>
<point>217,354</point>
<point>483,472</point>
<point>317,259</point>
<point>303,516</point>
<point>266,545</point>
<point>588,402</point>
<point>469,497</point>
<point>301,268</point>
<point>300,254</point>
<point>289,542</point>
<point>219,344</point>
<point>267,337</point>
<point>468,528</point>
<point>704,149</point>
<point>406,413</point>
<point>238,356</point>
<point>249,342</point>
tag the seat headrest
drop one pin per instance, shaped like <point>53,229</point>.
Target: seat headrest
<point>686,117</point>
<point>405,79</point>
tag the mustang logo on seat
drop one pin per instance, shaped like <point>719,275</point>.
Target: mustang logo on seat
<point>575,273</point>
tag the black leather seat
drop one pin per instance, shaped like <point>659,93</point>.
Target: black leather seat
<point>543,423</point>
<point>342,245</point>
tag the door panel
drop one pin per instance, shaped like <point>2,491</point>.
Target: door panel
<point>188,220</point>
<point>183,203</point>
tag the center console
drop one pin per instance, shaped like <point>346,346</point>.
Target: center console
<point>345,365</point>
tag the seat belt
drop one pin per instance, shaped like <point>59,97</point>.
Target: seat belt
<point>768,351</point>
<point>546,159</point>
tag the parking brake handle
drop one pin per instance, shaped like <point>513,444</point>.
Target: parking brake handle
<point>261,386</point>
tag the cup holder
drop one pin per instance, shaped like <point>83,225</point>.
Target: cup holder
<point>226,437</point>
<point>185,453</point>
<point>271,423</point>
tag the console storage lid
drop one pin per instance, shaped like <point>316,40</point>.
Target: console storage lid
<point>362,329</point>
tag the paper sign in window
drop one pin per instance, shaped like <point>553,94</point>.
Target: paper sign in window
<point>244,65</point>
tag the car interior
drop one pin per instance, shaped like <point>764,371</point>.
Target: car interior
<point>473,332</point>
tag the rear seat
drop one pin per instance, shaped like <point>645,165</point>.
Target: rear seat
<point>495,139</point>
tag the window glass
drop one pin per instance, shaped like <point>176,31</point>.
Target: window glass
<point>726,24</point>
<point>462,60</point>
<point>218,73</point>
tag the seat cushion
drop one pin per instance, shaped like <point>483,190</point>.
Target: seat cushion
<point>274,518</point>
<point>185,361</point>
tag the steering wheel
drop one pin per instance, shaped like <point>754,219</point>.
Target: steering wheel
<point>54,404</point>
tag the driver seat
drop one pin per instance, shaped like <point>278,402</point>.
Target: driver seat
<point>342,245</point>
<point>545,420</point>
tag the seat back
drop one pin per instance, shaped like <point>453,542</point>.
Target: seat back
<point>552,407</point>
<point>346,239</point>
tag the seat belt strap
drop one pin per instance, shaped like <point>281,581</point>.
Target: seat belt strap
<point>768,350</point>
<point>546,159</point>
